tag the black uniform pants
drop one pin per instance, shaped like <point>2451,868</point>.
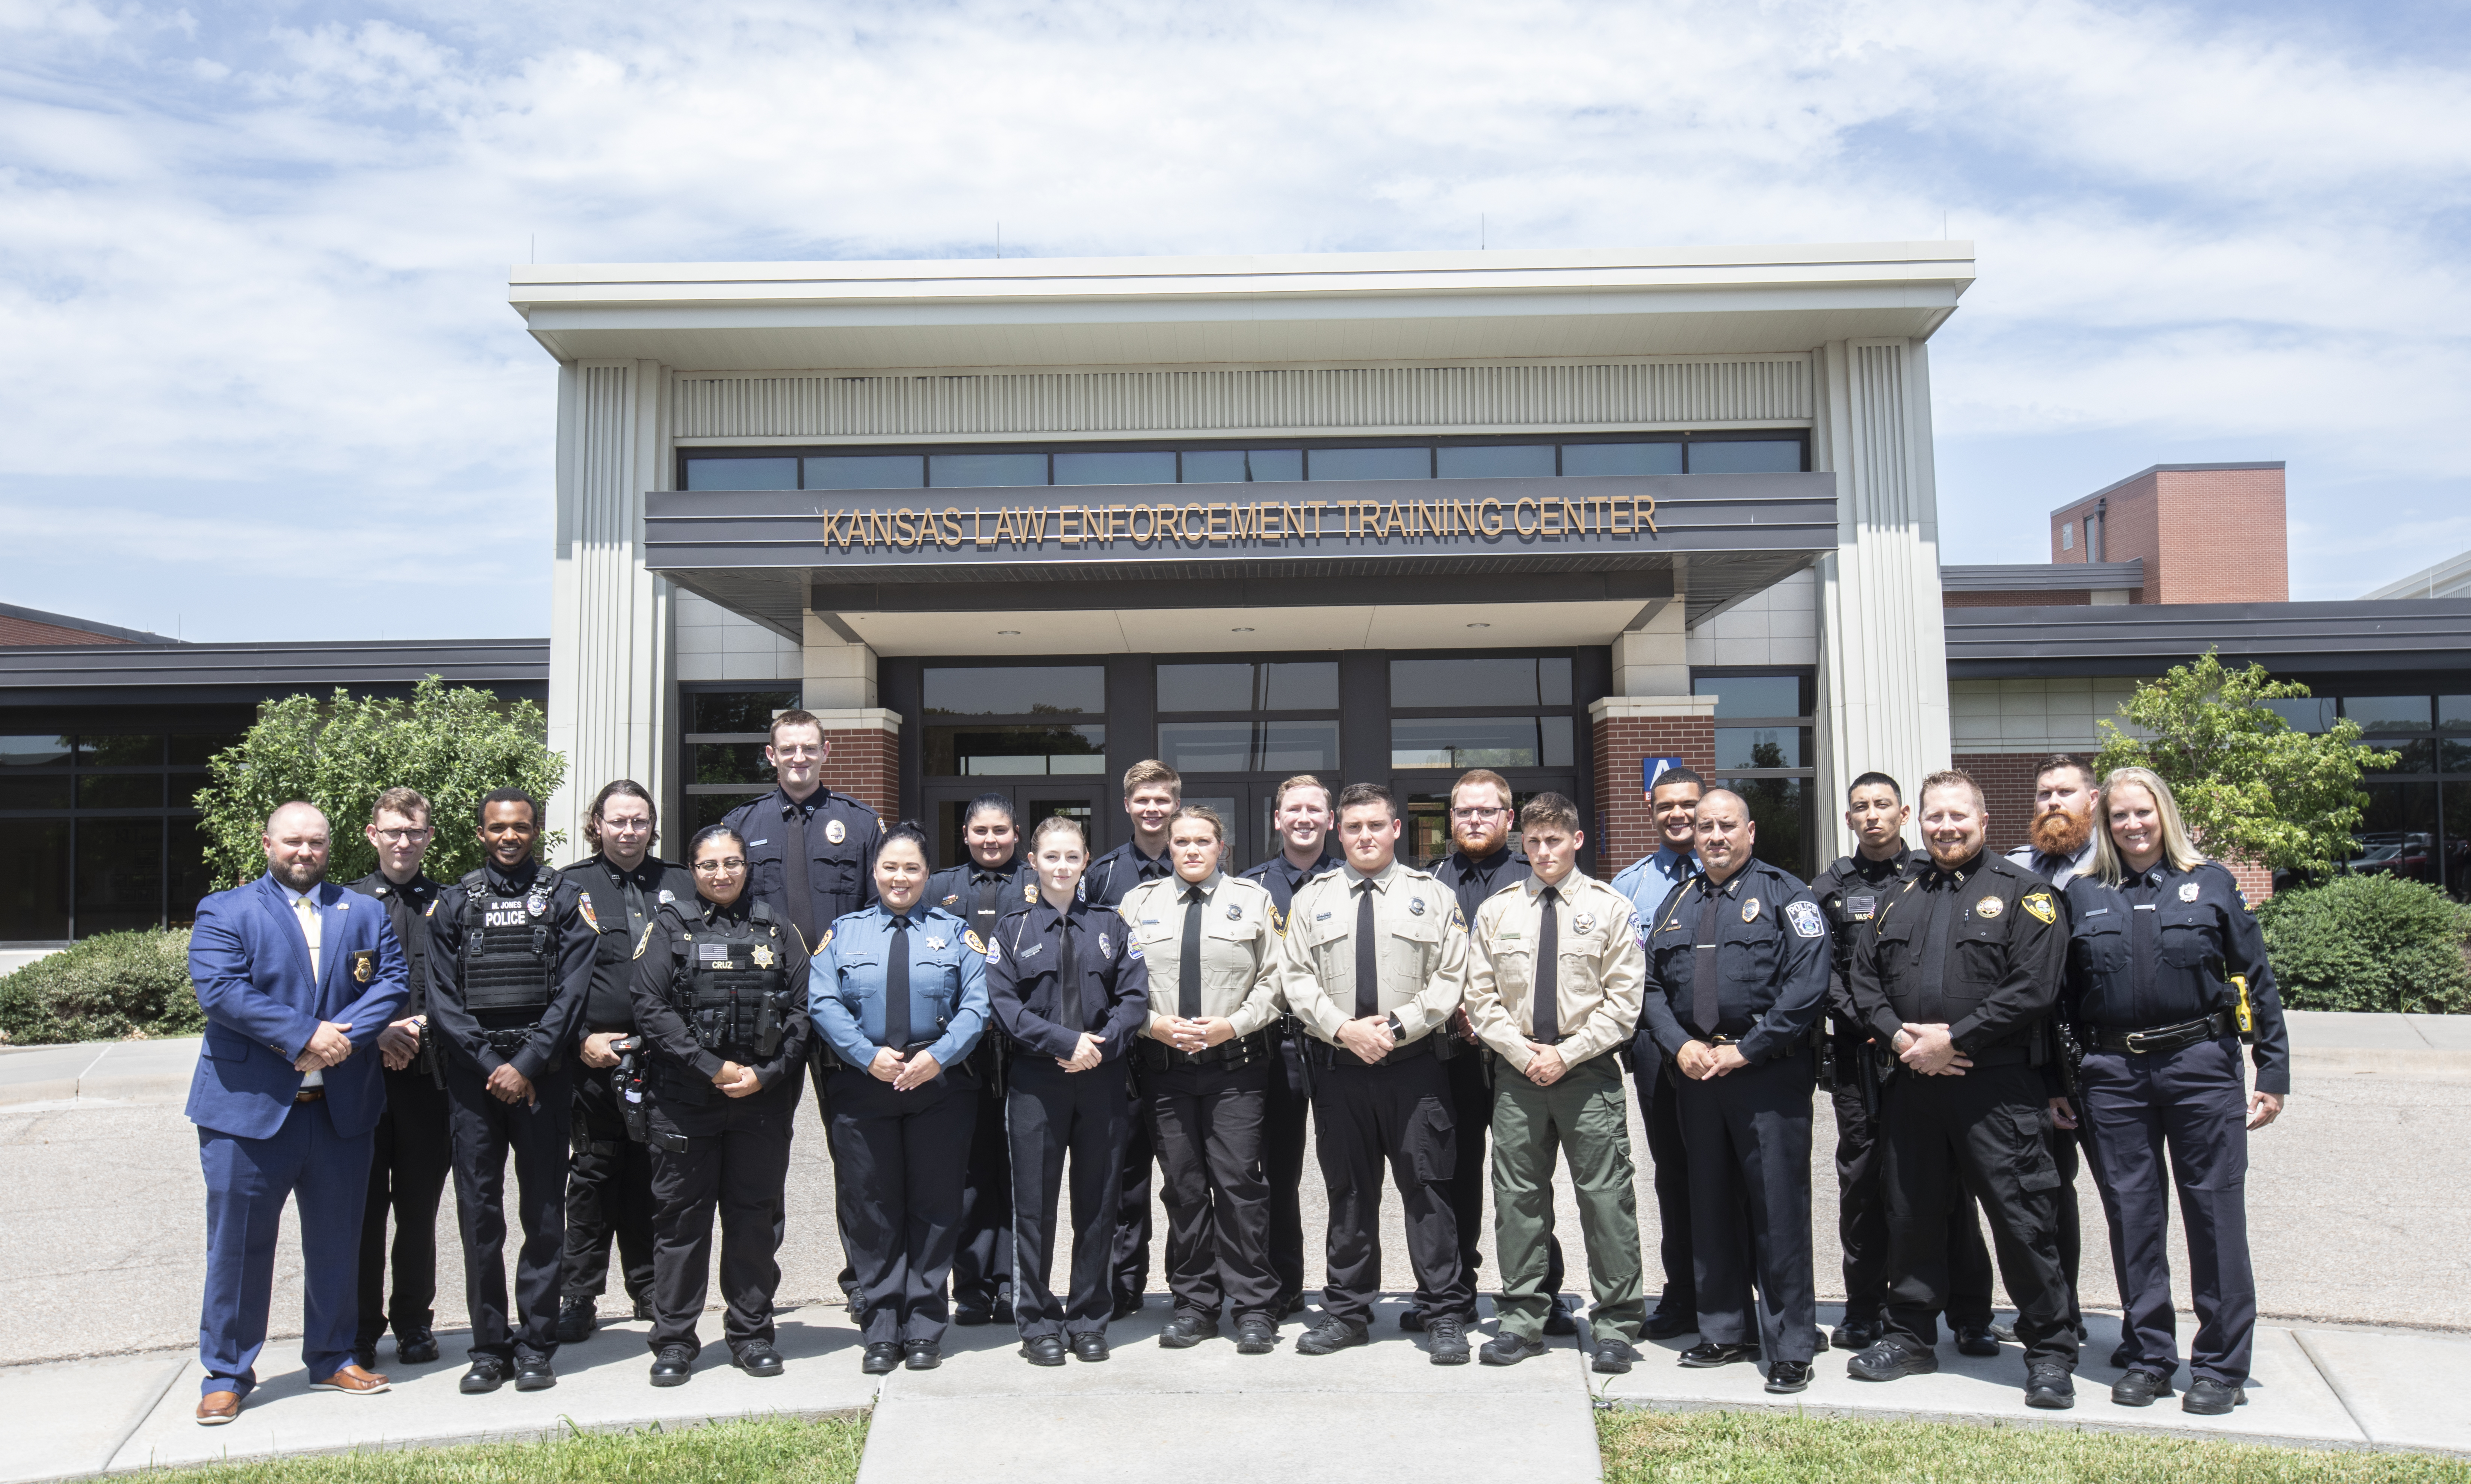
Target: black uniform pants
<point>2186,1110</point>
<point>608,1196</point>
<point>1985,1132</point>
<point>1129,1260</point>
<point>1862,1223</point>
<point>1472,1111</point>
<point>1287,1110</point>
<point>1206,1122</point>
<point>902,1156</point>
<point>982,1256</point>
<point>824,1068</point>
<point>485,1130</point>
<point>1049,1114</point>
<point>408,1167</point>
<point>1660,1115</point>
<point>1748,1137</point>
<point>736,1162</point>
<point>1393,1119</point>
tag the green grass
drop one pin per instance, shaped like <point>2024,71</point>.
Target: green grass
<point>1764,1448</point>
<point>825,1451</point>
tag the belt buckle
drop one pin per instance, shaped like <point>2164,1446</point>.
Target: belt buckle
<point>2135,1041</point>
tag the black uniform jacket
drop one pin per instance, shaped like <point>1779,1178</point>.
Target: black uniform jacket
<point>1771,962</point>
<point>961,889</point>
<point>1979,949</point>
<point>406,906</point>
<point>681,1070</point>
<point>1022,981</point>
<point>619,906</point>
<point>1850,891</point>
<point>840,873</point>
<point>2200,935</point>
<point>1119,871</point>
<point>572,940</point>
<point>1472,881</point>
<point>1279,878</point>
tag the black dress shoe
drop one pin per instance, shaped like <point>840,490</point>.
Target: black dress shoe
<point>1976,1340</point>
<point>1294,1304</point>
<point>1045,1350</point>
<point>2126,1355</point>
<point>1412,1320</point>
<point>1662,1326</point>
<point>1709,1354</point>
<point>644,1310</point>
<point>2048,1385</point>
<point>533,1373</point>
<point>1448,1340</point>
<point>419,1347</point>
<point>1188,1329</point>
<point>1127,1305</point>
<point>1507,1349</point>
<point>758,1359</point>
<point>1002,1311</point>
<point>1886,1360</point>
<point>488,1373</point>
<point>922,1354</point>
<point>1256,1334</point>
<point>1856,1335</point>
<point>1613,1357</point>
<point>674,1366</point>
<point>1332,1335</point>
<point>1091,1346</point>
<point>2210,1397</point>
<point>1560,1319</point>
<point>1787,1376</point>
<point>365,1356</point>
<point>577,1319</point>
<point>971,1318</point>
<point>882,1359</point>
<point>2139,1387</point>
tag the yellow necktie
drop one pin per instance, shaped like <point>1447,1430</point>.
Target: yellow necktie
<point>307,912</point>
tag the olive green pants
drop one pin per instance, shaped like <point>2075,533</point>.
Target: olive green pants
<point>1584,1116</point>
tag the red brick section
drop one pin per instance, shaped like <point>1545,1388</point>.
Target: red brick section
<point>14,630</point>
<point>866,765</point>
<point>2205,535</point>
<point>2007,779</point>
<point>1625,830</point>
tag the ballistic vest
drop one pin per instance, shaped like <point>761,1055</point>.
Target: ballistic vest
<point>732,984</point>
<point>510,948</point>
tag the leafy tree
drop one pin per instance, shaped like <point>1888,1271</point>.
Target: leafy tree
<point>454,743</point>
<point>2248,785</point>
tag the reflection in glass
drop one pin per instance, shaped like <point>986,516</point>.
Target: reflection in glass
<point>202,749</point>
<point>1275,465</point>
<point>2458,841</point>
<point>1781,814</point>
<point>2454,713</point>
<point>33,751</point>
<point>2412,754</point>
<point>1013,751</point>
<point>1495,461</point>
<point>1213,466</point>
<point>1480,682</point>
<point>729,763</point>
<point>182,788</point>
<point>736,710</point>
<point>1371,463</point>
<point>1468,741</point>
<point>1602,460</point>
<point>2309,713</point>
<point>742,474</point>
<point>33,880</point>
<point>866,471</point>
<point>119,875</point>
<point>2377,714</point>
<point>119,751</point>
<point>949,471</point>
<point>1761,746</point>
<point>1101,468</point>
<point>2397,835</point>
<point>1304,685</point>
<point>2456,756</point>
<point>35,790</point>
<point>190,878</point>
<point>1248,746</point>
<point>1016,690</point>
<point>1752,696</point>
<point>1746,456</point>
<point>120,791</point>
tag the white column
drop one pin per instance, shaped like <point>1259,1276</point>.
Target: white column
<point>1882,645</point>
<point>610,638</point>
<point>1654,659</point>
<point>839,671</point>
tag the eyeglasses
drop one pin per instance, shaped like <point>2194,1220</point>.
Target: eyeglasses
<point>1477,814</point>
<point>403,836</point>
<point>725,865</point>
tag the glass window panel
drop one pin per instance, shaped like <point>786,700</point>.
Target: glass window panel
<point>2397,835</point>
<point>1248,746</point>
<point>1780,816</point>
<point>1495,461</point>
<point>33,880</point>
<point>2454,713</point>
<point>1761,746</point>
<point>729,763</point>
<point>35,790</point>
<point>1134,468</point>
<point>120,791</point>
<point>947,471</point>
<point>1016,690</point>
<point>742,474</point>
<point>1275,465</point>
<point>1371,463</point>
<point>2412,754</point>
<point>2377,714</point>
<point>1000,751</point>
<point>202,749</point>
<point>867,471</point>
<point>1553,681</point>
<point>119,875</point>
<point>1752,696</point>
<point>704,808</point>
<point>1465,741</point>
<point>1556,734</point>
<point>119,751</point>
<point>1302,685</point>
<point>1213,466</point>
<point>736,710</point>
<point>2454,755</point>
<point>181,790</point>
<point>2458,841</point>
<point>189,878</point>
<point>2311,714</point>
<point>33,751</point>
<point>1480,682</point>
<point>1746,456</point>
<point>1621,458</point>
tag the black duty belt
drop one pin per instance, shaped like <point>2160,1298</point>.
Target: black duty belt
<point>1322,1053</point>
<point>1235,1051</point>
<point>2165,1038</point>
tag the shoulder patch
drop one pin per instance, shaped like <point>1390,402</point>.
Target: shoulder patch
<point>584,910</point>
<point>1805,919</point>
<point>824,942</point>
<point>970,936</point>
<point>2039,905</point>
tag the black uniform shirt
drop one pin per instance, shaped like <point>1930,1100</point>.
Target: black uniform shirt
<point>673,1045</point>
<point>1850,892</point>
<point>1119,871</point>
<point>1022,981</point>
<point>1977,948</point>
<point>1472,881</point>
<point>839,835</point>
<point>619,906</point>
<point>978,895</point>
<point>572,940</point>
<point>1280,877</point>
<point>405,907</point>
<point>2199,933</point>
<point>1771,963</point>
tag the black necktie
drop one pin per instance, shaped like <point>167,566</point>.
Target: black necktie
<point>635,916</point>
<point>896,987</point>
<point>1704,1009</point>
<point>1368,955</point>
<point>793,876</point>
<point>1548,970</point>
<point>1187,969</point>
<point>991,885</point>
<point>1067,976</point>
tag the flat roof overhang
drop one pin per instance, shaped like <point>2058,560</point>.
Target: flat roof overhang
<point>1304,308</point>
<point>1708,541</point>
<point>197,674</point>
<point>2382,636</point>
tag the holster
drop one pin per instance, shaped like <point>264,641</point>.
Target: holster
<point>626,1080</point>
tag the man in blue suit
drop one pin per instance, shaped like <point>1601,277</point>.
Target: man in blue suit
<point>295,982</point>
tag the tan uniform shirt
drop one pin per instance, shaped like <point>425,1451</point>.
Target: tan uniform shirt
<point>1600,975</point>
<point>1420,960</point>
<point>1238,939</point>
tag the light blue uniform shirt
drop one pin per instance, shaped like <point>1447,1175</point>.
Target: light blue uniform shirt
<point>1651,879</point>
<point>947,984</point>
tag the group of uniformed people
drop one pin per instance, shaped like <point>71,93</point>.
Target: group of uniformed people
<point>638,1034</point>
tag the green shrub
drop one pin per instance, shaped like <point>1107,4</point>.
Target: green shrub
<point>112,987</point>
<point>2369,943</point>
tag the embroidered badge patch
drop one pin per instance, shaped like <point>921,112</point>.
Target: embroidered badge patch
<point>954,897</point>
<point>972,940</point>
<point>2040,906</point>
<point>825,942</point>
<point>584,910</point>
<point>1805,919</point>
<point>1989,906</point>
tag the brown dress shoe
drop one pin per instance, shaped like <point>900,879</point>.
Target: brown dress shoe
<point>218,1407</point>
<point>353,1380</point>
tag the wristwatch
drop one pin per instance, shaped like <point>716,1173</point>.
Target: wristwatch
<point>1397,1030</point>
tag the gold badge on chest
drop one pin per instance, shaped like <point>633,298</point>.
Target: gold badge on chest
<point>1989,906</point>
<point>761,958</point>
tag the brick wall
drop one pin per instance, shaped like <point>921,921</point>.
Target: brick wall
<point>17,630</point>
<point>2205,535</point>
<point>865,764</point>
<point>1624,829</point>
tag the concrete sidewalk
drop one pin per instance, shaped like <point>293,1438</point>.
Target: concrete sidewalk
<point>130,1072</point>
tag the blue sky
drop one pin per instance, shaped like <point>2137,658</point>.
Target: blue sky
<point>258,378</point>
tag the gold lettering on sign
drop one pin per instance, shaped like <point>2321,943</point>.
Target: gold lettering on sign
<point>1518,517</point>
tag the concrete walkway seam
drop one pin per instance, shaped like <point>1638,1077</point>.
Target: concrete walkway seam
<point>137,1418</point>
<point>2334,1384</point>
